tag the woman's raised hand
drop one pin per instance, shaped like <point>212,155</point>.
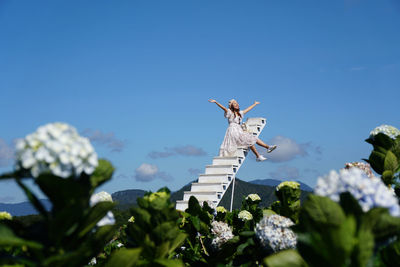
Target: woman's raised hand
<point>256,102</point>
<point>212,100</point>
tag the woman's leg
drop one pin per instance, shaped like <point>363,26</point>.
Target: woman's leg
<point>253,148</point>
<point>261,143</point>
<point>269,148</point>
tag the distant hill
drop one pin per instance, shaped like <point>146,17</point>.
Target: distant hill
<point>273,182</point>
<point>127,198</point>
<point>242,189</point>
<point>264,188</point>
<point>23,208</point>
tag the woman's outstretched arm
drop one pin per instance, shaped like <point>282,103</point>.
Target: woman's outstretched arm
<point>251,107</point>
<point>218,104</point>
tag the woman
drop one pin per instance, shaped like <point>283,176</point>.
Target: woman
<point>235,136</point>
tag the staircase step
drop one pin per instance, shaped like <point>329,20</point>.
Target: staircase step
<point>221,169</point>
<point>227,160</point>
<point>261,121</point>
<point>215,178</point>
<point>206,187</point>
<point>182,205</point>
<point>203,196</point>
<point>254,128</point>
<point>241,152</point>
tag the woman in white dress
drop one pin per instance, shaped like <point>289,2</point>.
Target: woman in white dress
<point>235,136</point>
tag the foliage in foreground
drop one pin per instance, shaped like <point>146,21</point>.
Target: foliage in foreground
<point>352,219</point>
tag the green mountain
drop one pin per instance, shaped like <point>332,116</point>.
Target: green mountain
<point>273,182</point>
<point>242,189</point>
<point>127,198</point>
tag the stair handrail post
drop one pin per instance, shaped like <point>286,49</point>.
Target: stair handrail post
<point>233,191</point>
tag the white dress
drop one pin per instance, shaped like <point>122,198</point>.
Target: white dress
<point>235,136</point>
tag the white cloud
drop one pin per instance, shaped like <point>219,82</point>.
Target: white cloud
<point>149,172</point>
<point>107,139</point>
<point>287,149</point>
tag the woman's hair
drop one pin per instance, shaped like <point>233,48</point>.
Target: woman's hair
<point>233,109</point>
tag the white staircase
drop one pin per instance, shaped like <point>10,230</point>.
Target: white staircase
<point>212,185</point>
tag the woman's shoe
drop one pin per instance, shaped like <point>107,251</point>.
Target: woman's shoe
<point>271,148</point>
<point>261,158</point>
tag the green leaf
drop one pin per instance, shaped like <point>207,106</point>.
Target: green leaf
<point>350,205</point>
<point>102,173</point>
<point>169,263</point>
<point>161,250</point>
<point>383,140</point>
<point>344,237</point>
<point>247,233</point>
<point>8,238</point>
<point>364,249</point>
<point>63,192</point>
<point>268,212</point>
<point>177,242</point>
<point>377,160</point>
<point>8,175</point>
<point>194,207</point>
<point>97,212</point>
<point>322,210</point>
<point>22,173</point>
<point>285,258</point>
<point>196,222</point>
<point>391,254</point>
<point>382,224</point>
<point>33,199</point>
<point>387,177</point>
<point>124,257</point>
<point>390,162</point>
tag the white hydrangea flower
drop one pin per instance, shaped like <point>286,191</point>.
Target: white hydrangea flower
<point>244,215</point>
<point>56,148</point>
<point>369,192</point>
<point>93,261</point>
<point>388,130</point>
<point>292,184</point>
<point>222,232</point>
<point>102,197</point>
<point>365,167</point>
<point>221,209</point>
<point>253,197</point>
<point>274,233</point>
<point>4,215</point>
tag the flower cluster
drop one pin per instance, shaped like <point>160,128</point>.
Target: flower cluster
<point>156,195</point>
<point>253,197</point>
<point>56,148</point>
<point>4,215</point>
<point>291,184</point>
<point>274,233</point>
<point>102,197</point>
<point>244,215</point>
<point>365,167</point>
<point>131,219</point>
<point>221,209</point>
<point>369,192</point>
<point>222,233</point>
<point>388,130</point>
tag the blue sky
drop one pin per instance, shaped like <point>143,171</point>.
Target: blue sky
<point>135,77</point>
